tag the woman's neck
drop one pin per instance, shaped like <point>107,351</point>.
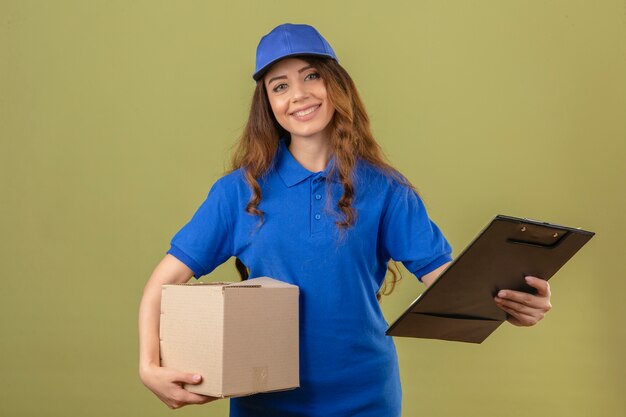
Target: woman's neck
<point>313,153</point>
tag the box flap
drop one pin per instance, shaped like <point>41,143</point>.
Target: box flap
<point>201,284</point>
<point>265,282</point>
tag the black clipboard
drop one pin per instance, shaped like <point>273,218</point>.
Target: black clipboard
<point>460,306</point>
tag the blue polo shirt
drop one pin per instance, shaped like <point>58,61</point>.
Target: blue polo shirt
<point>348,367</point>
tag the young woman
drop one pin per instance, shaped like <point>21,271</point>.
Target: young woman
<point>311,201</point>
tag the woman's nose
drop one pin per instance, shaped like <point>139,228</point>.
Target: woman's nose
<point>299,91</point>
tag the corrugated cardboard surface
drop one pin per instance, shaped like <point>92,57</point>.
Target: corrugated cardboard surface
<point>192,320</point>
<point>242,337</point>
<point>260,352</point>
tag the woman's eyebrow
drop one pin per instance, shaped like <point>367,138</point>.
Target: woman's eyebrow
<point>284,76</point>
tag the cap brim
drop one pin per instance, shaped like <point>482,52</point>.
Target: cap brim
<point>260,73</point>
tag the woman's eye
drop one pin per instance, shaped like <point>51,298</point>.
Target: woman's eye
<point>314,75</point>
<point>279,88</point>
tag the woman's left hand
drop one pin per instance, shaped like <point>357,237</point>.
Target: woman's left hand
<point>526,309</point>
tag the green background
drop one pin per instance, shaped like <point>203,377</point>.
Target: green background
<point>117,116</point>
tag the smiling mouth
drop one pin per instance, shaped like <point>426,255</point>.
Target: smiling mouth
<point>304,112</point>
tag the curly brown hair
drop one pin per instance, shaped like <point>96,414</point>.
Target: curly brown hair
<point>351,139</point>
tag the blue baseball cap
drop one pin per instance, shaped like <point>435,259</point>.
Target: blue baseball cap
<point>288,40</point>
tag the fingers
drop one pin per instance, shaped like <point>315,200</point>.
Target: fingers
<point>541,285</point>
<point>520,308</point>
<point>524,299</point>
<point>181,396</point>
<point>187,378</point>
<point>541,300</point>
<point>168,384</point>
<point>526,309</point>
<point>521,315</point>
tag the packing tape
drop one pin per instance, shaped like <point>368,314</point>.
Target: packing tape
<point>259,376</point>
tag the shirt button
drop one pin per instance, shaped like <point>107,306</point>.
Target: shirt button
<point>318,197</point>
<point>317,217</point>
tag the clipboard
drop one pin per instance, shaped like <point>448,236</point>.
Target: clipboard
<point>460,306</point>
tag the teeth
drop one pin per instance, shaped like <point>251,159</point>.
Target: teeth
<point>307,111</point>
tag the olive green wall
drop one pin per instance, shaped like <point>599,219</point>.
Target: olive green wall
<point>117,116</point>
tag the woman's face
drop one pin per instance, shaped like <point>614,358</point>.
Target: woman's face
<point>298,99</point>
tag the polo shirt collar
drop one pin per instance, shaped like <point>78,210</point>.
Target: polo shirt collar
<point>290,169</point>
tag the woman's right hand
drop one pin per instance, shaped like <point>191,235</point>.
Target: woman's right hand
<point>167,384</point>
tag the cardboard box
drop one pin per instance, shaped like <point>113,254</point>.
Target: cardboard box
<point>242,337</point>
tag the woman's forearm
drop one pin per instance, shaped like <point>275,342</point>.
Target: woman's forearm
<point>149,315</point>
<point>169,271</point>
<point>429,278</point>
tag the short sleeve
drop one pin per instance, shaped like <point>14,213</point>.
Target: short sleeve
<point>410,236</point>
<point>205,242</point>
